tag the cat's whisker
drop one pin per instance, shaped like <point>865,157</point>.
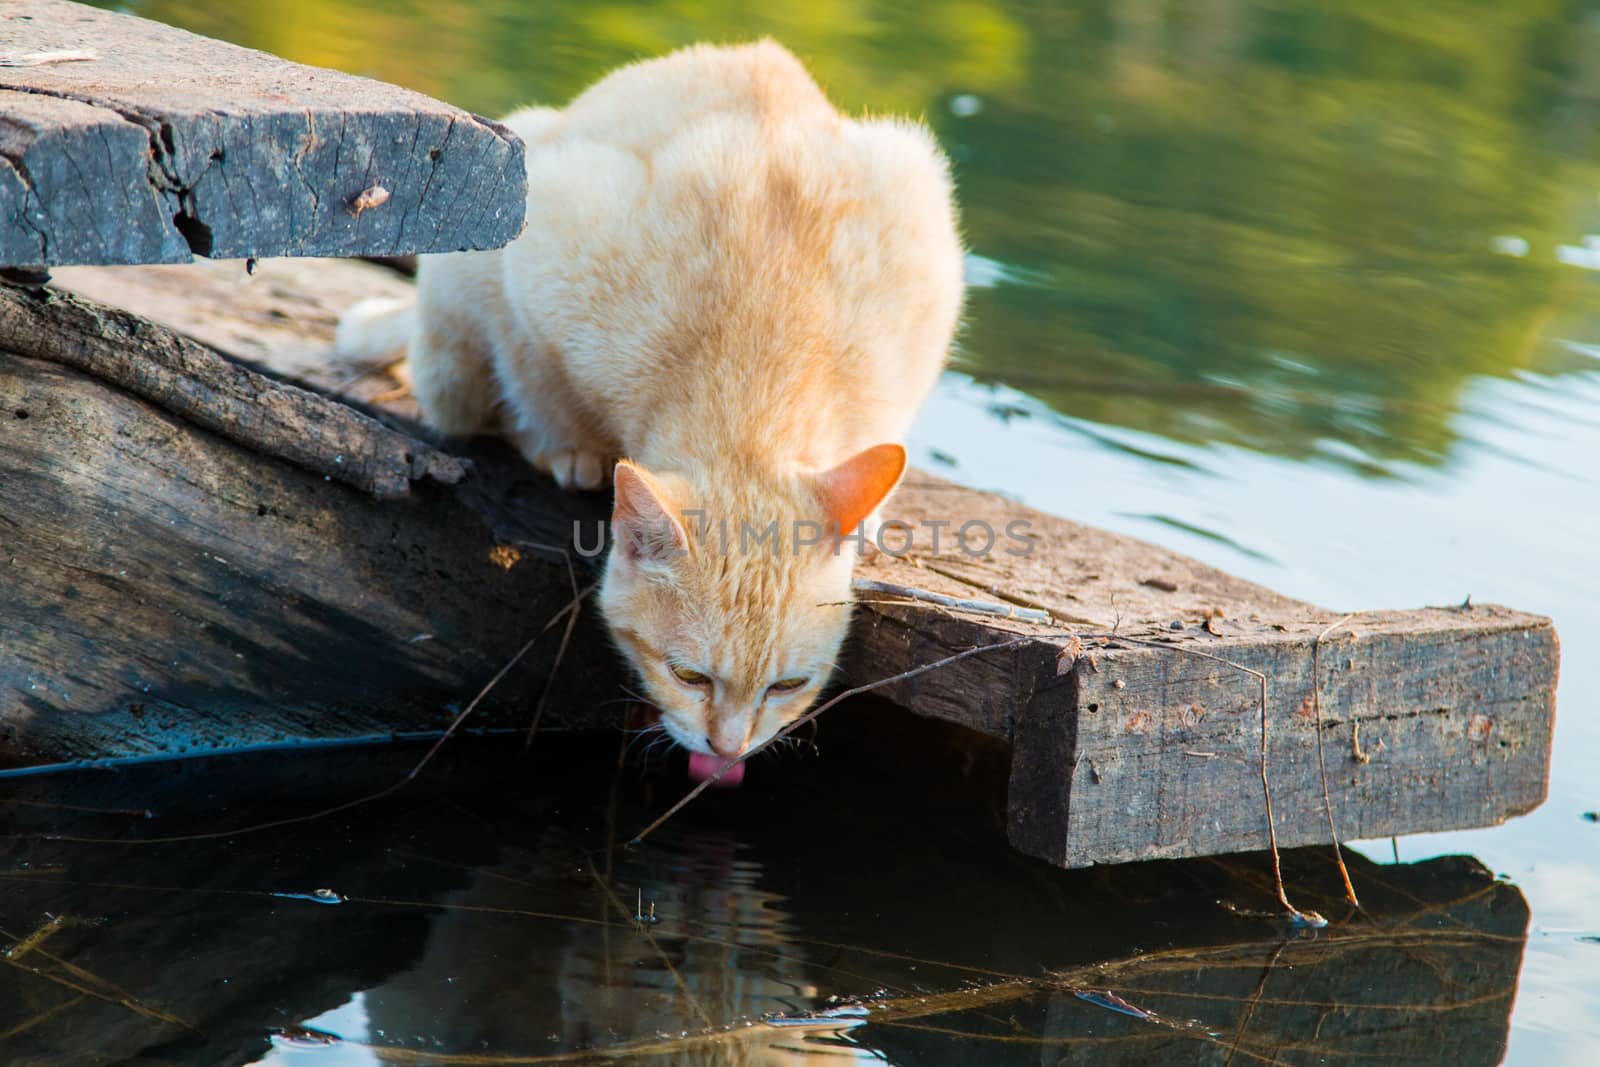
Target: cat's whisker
<point>641,698</point>
<point>646,735</point>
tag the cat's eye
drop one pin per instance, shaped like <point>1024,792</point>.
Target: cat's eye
<point>689,676</point>
<point>787,685</point>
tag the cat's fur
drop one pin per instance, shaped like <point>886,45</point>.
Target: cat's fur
<point>739,293</point>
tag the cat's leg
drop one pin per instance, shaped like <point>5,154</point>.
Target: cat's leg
<point>551,425</point>
<point>450,357</point>
<point>548,419</point>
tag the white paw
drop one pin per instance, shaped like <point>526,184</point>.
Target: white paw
<point>575,468</point>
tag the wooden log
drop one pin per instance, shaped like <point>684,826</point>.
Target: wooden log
<point>170,590</point>
<point>154,143</point>
<point>187,379</point>
<point>1138,738</point>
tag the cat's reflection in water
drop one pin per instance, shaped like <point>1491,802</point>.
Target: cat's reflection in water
<point>510,968</point>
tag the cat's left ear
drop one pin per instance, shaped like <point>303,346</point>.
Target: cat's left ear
<point>854,489</point>
<point>642,519</point>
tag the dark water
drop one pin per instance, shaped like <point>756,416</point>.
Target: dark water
<point>834,906</point>
<point>1307,291</point>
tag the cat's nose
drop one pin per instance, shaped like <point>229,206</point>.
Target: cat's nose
<point>725,746</point>
<point>729,736</point>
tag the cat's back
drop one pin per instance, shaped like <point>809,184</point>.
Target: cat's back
<point>645,105</point>
<point>713,137</point>
<point>718,185</point>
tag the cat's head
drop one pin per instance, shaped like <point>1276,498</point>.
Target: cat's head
<point>731,603</point>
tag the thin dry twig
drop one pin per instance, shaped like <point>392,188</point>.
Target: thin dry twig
<point>566,637</point>
<point>1322,765</point>
<point>1309,918</point>
<point>571,609</point>
<point>976,607</point>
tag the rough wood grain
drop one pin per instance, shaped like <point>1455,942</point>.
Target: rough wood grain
<point>1134,746</point>
<point>167,142</point>
<point>168,591</point>
<point>1434,719</point>
<point>192,381</point>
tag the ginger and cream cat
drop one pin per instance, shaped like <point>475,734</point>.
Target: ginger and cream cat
<point>733,300</point>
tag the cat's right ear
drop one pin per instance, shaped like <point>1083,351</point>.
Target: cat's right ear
<point>642,518</point>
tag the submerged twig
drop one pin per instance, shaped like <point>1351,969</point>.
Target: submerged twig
<point>666,959</point>
<point>86,983</point>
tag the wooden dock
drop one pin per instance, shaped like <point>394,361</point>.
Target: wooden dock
<point>176,591</point>
<point>197,553</point>
<point>126,141</point>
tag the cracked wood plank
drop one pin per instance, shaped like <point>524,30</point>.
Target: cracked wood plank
<point>1135,748</point>
<point>167,143</point>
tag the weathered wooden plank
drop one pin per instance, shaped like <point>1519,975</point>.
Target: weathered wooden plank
<point>1430,720</point>
<point>189,380</point>
<point>75,187</point>
<point>1164,763</point>
<point>165,142</point>
<point>169,590</point>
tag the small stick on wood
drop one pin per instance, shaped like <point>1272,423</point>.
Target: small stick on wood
<point>566,637</point>
<point>811,716</point>
<point>45,59</point>
<point>977,607</point>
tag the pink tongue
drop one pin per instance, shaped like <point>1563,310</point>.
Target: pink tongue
<point>702,767</point>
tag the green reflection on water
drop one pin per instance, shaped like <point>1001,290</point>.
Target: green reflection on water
<point>1254,223</point>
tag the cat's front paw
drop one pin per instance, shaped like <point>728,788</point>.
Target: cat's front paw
<point>575,469</point>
